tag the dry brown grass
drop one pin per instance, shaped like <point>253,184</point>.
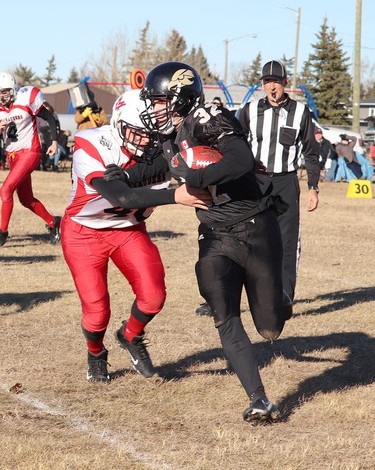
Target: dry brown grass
<point>320,371</point>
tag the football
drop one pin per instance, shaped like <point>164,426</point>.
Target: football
<point>198,157</point>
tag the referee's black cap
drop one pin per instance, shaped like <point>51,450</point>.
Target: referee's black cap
<point>273,69</point>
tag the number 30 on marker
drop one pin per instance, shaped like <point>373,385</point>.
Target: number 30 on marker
<point>359,189</point>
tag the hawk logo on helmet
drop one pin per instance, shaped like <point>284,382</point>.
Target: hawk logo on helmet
<point>182,77</point>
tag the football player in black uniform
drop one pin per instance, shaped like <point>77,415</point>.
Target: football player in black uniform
<point>239,237</point>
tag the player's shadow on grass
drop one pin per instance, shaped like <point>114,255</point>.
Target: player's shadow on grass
<point>26,301</point>
<point>335,301</point>
<point>357,368</point>
<point>27,259</point>
<point>166,234</point>
<point>32,238</point>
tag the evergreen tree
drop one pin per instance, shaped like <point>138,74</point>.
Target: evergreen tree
<point>143,55</point>
<point>49,78</point>
<point>174,49</point>
<point>73,76</point>
<point>198,60</point>
<point>289,65</point>
<point>25,76</point>
<point>250,75</point>
<point>330,81</point>
<point>306,77</point>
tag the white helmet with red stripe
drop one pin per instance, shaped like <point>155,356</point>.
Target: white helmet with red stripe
<point>8,88</point>
<point>130,131</point>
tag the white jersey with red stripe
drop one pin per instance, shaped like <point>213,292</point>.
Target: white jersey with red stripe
<point>94,149</point>
<point>22,114</point>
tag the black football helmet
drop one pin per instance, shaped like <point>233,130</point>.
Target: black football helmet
<point>181,88</point>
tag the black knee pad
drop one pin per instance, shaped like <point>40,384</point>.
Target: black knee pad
<point>94,336</point>
<point>139,315</point>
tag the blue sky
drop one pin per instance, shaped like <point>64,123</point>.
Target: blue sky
<point>76,32</point>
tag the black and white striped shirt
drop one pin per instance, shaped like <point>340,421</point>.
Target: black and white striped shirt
<point>278,136</point>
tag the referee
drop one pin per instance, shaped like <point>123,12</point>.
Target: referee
<point>279,130</point>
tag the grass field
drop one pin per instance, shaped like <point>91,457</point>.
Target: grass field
<point>320,372</point>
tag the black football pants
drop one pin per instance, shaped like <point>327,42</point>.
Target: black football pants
<point>249,255</point>
<point>287,187</point>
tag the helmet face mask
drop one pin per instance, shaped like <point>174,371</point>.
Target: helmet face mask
<point>171,90</point>
<point>8,88</point>
<point>129,129</point>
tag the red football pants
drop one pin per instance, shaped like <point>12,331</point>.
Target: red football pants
<point>21,165</point>
<point>87,252</point>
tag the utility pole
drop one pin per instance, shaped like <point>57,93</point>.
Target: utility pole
<point>226,41</point>
<point>294,82</point>
<point>357,68</point>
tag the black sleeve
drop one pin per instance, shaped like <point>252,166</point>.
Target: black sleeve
<point>310,150</point>
<point>237,161</point>
<point>119,194</point>
<point>244,118</point>
<point>146,172</point>
<point>49,117</point>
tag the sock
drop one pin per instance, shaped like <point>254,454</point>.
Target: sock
<point>133,328</point>
<point>95,347</point>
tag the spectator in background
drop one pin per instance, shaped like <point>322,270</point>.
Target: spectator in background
<point>91,115</point>
<point>345,149</point>
<point>326,150</point>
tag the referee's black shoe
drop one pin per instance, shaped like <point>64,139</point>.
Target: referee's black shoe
<point>287,306</point>
<point>261,411</point>
<point>204,310</point>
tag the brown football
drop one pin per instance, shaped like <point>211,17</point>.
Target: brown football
<point>198,157</point>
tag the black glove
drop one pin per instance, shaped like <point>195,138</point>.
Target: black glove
<point>179,168</point>
<point>114,172</point>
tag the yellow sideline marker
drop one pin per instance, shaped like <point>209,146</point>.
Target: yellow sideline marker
<point>359,188</point>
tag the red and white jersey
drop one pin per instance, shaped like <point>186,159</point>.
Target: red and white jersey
<point>94,149</point>
<point>22,112</point>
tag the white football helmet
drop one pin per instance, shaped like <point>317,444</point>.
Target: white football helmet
<point>7,82</point>
<point>131,132</point>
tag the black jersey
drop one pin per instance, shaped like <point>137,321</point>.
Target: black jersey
<point>232,181</point>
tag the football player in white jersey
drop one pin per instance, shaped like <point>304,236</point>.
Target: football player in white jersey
<point>112,195</point>
<point>18,112</point>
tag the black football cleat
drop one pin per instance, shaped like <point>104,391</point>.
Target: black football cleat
<point>97,367</point>
<point>3,237</point>
<point>137,351</point>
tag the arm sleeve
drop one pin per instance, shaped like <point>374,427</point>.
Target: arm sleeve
<point>147,172</point>
<point>237,160</point>
<point>244,118</point>
<point>310,150</point>
<point>119,194</point>
<point>49,117</point>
